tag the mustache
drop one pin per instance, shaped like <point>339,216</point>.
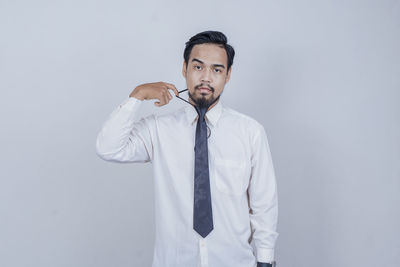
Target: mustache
<point>209,87</point>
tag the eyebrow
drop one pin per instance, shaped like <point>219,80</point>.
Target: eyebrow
<point>215,65</point>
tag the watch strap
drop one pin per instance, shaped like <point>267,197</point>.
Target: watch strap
<point>264,264</point>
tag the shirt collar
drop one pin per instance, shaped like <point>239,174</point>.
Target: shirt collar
<point>211,115</point>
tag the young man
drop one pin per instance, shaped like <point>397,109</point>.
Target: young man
<point>215,190</point>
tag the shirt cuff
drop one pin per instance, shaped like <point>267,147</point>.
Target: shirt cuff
<point>265,255</point>
<point>130,103</point>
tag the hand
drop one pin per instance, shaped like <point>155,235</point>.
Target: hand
<point>158,90</point>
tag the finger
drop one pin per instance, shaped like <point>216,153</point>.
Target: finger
<point>171,86</point>
<point>169,96</point>
<point>165,98</point>
<point>162,99</point>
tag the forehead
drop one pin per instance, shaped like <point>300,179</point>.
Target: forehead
<point>209,54</point>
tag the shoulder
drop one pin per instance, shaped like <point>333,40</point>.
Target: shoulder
<point>250,123</point>
<point>170,116</point>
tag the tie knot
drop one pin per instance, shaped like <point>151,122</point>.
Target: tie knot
<point>201,111</point>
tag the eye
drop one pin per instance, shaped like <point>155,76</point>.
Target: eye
<point>218,70</point>
<point>197,66</point>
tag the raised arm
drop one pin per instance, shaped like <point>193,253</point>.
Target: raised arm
<point>122,137</point>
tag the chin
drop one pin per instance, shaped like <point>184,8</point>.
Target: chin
<point>205,95</point>
<point>208,97</point>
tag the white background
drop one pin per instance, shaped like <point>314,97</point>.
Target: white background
<point>323,77</point>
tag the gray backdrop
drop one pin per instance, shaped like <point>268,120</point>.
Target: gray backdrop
<point>321,76</point>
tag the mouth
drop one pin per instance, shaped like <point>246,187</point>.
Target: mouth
<point>204,89</point>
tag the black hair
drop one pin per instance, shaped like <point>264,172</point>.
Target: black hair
<point>212,37</point>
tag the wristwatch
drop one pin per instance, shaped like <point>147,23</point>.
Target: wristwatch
<point>264,264</point>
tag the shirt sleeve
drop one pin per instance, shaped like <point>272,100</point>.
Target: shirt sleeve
<point>123,138</point>
<point>263,199</point>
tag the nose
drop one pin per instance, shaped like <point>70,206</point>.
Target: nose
<point>206,76</point>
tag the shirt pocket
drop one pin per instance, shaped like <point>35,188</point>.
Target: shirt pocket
<point>230,176</point>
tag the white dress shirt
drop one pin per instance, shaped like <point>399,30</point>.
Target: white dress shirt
<point>242,182</point>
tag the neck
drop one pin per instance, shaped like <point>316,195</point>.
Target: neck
<point>210,107</point>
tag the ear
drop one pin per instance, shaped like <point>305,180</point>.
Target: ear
<point>184,69</point>
<point>228,75</point>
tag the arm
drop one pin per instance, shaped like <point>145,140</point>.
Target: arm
<point>122,139</point>
<point>263,199</point>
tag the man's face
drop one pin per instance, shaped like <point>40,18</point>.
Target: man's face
<point>207,68</point>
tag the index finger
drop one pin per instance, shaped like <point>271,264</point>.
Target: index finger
<point>171,86</point>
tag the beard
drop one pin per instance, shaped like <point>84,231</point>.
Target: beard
<point>202,101</point>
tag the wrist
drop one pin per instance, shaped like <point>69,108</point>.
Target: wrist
<point>265,264</point>
<point>137,94</point>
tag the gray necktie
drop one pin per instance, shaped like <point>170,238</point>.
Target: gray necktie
<point>202,211</point>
